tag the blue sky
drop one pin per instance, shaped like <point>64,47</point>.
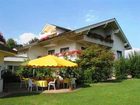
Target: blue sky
<point>22,18</point>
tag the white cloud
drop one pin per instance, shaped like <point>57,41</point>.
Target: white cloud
<point>25,38</point>
<point>90,16</point>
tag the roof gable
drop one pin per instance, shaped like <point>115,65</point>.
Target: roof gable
<point>53,28</point>
<point>50,28</point>
<point>104,24</point>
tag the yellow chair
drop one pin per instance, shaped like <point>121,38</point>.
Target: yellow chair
<point>23,81</point>
<point>66,82</point>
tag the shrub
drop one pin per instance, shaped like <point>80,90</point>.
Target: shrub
<point>96,63</point>
<point>128,66</point>
<point>25,71</point>
<point>121,68</point>
<point>134,62</point>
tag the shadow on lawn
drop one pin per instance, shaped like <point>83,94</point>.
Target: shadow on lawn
<point>12,95</point>
<point>112,81</point>
<point>86,85</point>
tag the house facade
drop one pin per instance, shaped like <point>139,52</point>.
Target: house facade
<point>12,62</point>
<point>4,51</point>
<point>61,42</point>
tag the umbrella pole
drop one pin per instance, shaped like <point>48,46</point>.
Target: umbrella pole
<point>33,72</point>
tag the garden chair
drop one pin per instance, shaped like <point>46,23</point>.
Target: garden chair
<point>73,83</point>
<point>23,81</point>
<point>52,83</point>
<point>66,82</point>
<point>31,85</point>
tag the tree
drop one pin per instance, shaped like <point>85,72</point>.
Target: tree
<point>128,66</point>
<point>2,39</point>
<point>33,40</point>
<point>96,64</point>
<point>121,68</point>
<point>11,43</point>
<point>134,64</point>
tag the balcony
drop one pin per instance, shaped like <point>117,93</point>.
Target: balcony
<point>99,39</point>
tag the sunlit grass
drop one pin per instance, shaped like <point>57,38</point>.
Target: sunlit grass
<point>118,93</point>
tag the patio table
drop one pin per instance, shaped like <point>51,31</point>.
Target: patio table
<point>41,83</point>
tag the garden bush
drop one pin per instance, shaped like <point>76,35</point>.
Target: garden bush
<point>121,68</point>
<point>95,64</point>
<point>134,64</point>
<point>128,66</point>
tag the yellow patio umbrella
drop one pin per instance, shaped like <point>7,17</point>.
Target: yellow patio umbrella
<point>51,61</point>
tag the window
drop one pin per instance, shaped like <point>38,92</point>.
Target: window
<point>119,54</point>
<point>51,52</point>
<point>16,68</point>
<point>10,67</point>
<point>83,48</point>
<point>66,49</point>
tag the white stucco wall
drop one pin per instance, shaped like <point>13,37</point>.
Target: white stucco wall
<point>78,46</point>
<point>71,45</point>
<point>12,63</point>
<point>118,45</point>
<point>128,52</point>
<point>36,51</point>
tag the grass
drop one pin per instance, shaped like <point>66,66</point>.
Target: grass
<point>122,93</point>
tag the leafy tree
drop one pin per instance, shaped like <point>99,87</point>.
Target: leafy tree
<point>95,64</point>
<point>128,66</point>
<point>33,40</point>
<point>121,68</point>
<point>11,43</point>
<point>2,39</point>
<point>134,62</point>
<point>19,45</point>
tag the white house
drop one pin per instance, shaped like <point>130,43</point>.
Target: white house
<point>65,42</point>
<point>12,63</point>
<point>4,51</point>
<point>131,51</point>
<point>61,41</point>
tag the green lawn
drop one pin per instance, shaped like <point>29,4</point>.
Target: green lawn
<point>121,93</point>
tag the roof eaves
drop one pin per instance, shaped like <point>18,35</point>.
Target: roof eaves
<point>27,46</point>
<point>124,36</point>
<point>66,29</point>
<point>94,25</point>
<point>60,35</point>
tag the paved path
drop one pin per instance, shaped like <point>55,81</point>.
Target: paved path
<point>40,91</point>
